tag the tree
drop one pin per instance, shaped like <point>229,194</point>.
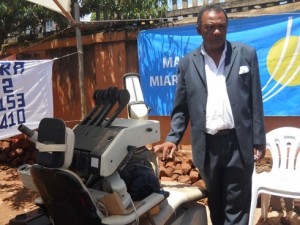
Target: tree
<point>22,19</point>
<point>126,9</point>
<point>19,18</point>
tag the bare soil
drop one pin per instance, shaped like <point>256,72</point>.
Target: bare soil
<point>14,198</point>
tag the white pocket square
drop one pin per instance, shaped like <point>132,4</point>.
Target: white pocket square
<point>243,70</point>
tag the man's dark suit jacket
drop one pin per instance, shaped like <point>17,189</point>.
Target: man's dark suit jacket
<point>244,91</point>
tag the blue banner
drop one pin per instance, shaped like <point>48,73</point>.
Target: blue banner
<point>276,38</point>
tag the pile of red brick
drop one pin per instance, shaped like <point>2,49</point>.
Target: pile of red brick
<point>180,169</point>
<point>17,151</point>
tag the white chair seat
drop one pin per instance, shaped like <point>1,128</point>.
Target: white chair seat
<point>285,183</point>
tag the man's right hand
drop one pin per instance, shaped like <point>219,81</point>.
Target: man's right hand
<point>167,148</point>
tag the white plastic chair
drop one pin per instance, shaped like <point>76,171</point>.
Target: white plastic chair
<point>284,178</point>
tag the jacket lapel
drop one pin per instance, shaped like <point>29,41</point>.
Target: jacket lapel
<point>229,59</point>
<point>198,60</point>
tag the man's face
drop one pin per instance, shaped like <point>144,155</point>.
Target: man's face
<point>213,30</point>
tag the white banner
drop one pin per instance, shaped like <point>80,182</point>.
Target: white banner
<point>25,94</point>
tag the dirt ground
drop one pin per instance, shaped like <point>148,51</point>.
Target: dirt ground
<point>16,199</point>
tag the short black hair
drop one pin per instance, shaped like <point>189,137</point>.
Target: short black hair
<point>215,8</point>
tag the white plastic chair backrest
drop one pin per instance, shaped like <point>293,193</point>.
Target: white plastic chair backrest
<point>284,145</point>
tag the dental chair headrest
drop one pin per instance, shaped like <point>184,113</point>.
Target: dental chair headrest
<point>55,144</point>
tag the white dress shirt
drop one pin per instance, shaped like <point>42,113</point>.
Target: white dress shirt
<point>218,110</point>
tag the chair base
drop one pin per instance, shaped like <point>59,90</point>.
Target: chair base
<point>36,216</point>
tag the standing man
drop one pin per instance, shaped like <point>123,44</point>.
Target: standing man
<point>219,92</point>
